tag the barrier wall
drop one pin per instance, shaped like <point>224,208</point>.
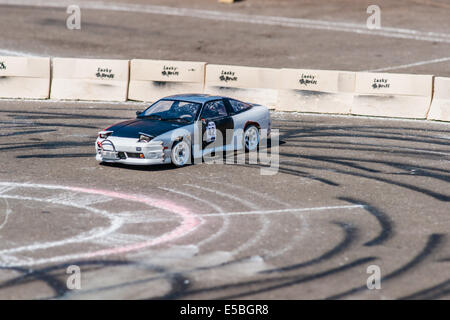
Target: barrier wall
<point>392,95</point>
<point>320,91</point>
<point>26,78</point>
<point>302,90</point>
<point>90,79</point>
<point>254,85</point>
<point>151,80</point>
<point>440,106</point>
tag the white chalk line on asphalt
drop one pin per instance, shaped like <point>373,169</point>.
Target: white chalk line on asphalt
<point>291,210</point>
<point>78,102</point>
<point>294,211</point>
<point>304,226</point>
<point>226,219</point>
<point>115,222</point>
<point>410,65</point>
<point>389,32</point>
<point>8,211</point>
<point>226,222</point>
<point>24,261</point>
<point>245,189</point>
<point>16,53</point>
<point>265,223</point>
<point>225,195</point>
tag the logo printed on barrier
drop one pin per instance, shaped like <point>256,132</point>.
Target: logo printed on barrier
<point>228,76</point>
<point>2,65</point>
<point>307,79</point>
<point>170,71</point>
<point>380,83</point>
<point>104,73</point>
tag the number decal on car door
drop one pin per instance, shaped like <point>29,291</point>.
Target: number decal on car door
<point>211,132</point>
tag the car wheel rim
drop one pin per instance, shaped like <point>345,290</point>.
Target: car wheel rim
<point>180,153</point>
<point>251,138</point>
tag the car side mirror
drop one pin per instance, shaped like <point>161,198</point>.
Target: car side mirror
<point>138,112</point>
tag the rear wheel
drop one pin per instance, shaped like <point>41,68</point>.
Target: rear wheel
<point>181,153</point>
<point>251,138</point>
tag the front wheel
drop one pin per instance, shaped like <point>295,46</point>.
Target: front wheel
<point>181,153</point>
<point>251,138</point>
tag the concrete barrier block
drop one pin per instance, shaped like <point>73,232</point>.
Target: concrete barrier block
<point>90,79</point>
<point>24,77</point>
<point>392,95</point>
<point>440,106</point>
<point>254,85</point>
<point>151,80</point>
<point>321,91</point>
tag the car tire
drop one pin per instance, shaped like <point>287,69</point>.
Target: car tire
<point>251,138</point>
<point>181,153</point>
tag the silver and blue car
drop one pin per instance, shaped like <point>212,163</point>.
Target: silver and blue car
<point>181,128</point>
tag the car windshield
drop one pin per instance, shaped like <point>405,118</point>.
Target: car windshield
<point>172,110</point>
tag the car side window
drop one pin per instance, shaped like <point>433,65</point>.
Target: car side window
<point>214,109</point>
<point>186,110</point>
<point>239,106</point>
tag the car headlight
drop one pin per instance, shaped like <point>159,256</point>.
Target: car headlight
<point>145,137</point>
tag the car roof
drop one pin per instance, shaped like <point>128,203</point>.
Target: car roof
<point>194,97</point>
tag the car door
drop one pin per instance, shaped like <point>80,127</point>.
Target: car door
<point>237,110</point>
<point>216,118</point>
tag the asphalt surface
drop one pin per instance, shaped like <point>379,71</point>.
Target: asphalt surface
<point>120,29</point>
<point>350,192</point>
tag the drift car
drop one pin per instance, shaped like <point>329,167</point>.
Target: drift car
<point>165,131</point>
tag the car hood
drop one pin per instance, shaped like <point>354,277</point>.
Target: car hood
<point>132,128</point>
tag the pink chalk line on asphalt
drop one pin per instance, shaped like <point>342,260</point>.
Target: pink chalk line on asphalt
<point>189,221</point>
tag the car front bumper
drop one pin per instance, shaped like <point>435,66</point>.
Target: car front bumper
<point>130,151</point>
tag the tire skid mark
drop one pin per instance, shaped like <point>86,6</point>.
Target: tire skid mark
<point>59,287</point>
<point>288,281</point>
<point>435,292</point>
<point>394,150</point>
<point>386,223</point>
<point>433,242</point>
<point>350,234</point>
<point>436,195</point>
<point>44,275</point>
